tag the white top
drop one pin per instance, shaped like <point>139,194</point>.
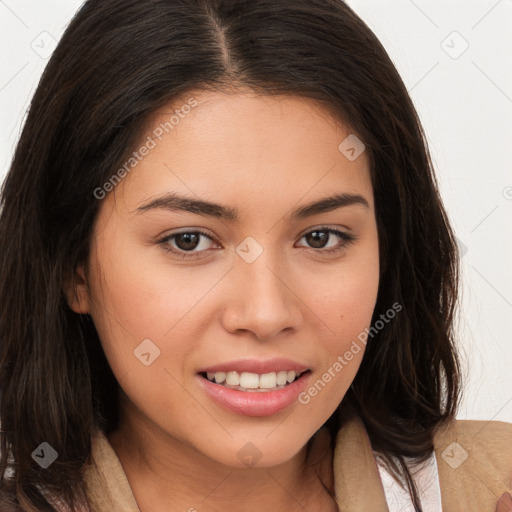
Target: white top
<point>426,477</point>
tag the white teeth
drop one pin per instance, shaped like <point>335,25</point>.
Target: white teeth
<point>233,379</point>
<point>268,380</point>
<point>282,378</point>
<point>247,380</point>
<point>218,376</point>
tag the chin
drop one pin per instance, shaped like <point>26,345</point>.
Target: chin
<point>245,452</point>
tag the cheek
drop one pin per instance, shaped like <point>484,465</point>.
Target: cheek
<point>344,319</point>
<point>344,295</point>
<point>137,300</point>
<point>140,315</point>
<point>347,314</point>
<point>142,298</point>
<point>344,303</point>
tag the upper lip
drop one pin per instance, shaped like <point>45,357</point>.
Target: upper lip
<point>256,366</point>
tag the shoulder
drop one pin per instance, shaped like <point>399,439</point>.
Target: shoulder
<point>474,460</point>
<point>482,428</point>
<point>484,442</point>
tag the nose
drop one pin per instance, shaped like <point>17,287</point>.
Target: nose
<point>261,298</point>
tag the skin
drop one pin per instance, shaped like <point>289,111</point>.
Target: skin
<point>265,156</point>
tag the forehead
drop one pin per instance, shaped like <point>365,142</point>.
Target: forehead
<point>244,147</point>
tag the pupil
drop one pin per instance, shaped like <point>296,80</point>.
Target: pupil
<point>319,239</point>
<point>191,240</point>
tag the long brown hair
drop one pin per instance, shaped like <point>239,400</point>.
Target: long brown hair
<point>116,64</point>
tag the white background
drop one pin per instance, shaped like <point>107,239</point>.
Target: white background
<point>464,99</point>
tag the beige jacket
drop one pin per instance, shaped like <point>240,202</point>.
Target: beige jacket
<point>474,460</point>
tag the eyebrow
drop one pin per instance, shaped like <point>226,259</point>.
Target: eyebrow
<point>174,202</point>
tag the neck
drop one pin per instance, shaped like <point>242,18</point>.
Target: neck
<point>159,466</point>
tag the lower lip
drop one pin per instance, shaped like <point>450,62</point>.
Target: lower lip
<point>256,403</point>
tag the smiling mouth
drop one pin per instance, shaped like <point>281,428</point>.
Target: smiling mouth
<point>254,382</point>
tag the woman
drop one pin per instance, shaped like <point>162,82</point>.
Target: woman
<point>227,275</point>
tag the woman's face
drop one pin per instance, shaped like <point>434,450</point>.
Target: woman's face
<point>266,290</point>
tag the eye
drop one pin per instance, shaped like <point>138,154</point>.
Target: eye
<point>190,244</point>
<point>319,238</point>
<point>184,244</point>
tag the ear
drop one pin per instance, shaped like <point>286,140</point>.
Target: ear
<point>76,290</point>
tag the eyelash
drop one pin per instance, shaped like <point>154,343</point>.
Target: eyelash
<point>346,240</point>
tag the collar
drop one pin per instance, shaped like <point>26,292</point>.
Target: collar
<point>477,483</point>
<point>473,459</point>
